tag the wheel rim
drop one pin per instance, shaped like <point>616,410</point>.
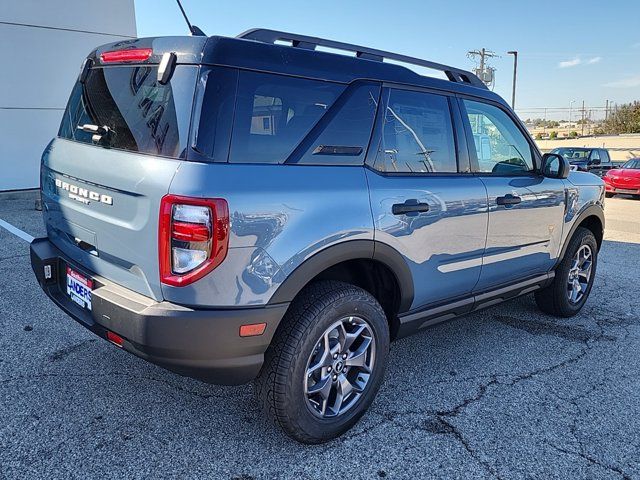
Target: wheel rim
<point>339,368</point>
<point>580,274</point>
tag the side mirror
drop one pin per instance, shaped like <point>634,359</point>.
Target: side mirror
<point>595,161</point>
<point>555,166</point>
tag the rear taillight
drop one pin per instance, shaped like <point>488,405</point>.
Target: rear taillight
<point>193,237</point>
<point>131,55</point>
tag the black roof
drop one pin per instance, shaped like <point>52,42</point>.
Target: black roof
<point>257,50</point>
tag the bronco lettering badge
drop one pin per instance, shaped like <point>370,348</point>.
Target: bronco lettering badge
<point>83,195</point>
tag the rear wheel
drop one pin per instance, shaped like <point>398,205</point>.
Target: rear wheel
<point>574,277</point>
<point>326,362</point>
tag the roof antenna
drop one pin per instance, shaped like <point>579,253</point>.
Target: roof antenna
<point>195,31</point>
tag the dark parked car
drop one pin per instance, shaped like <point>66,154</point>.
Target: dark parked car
<point>594,160</point>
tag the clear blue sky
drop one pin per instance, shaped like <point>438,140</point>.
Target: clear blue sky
<point>569,50</point>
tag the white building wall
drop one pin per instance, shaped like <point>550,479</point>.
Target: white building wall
<point>42,44</point>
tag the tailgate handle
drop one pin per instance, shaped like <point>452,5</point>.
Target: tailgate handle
<point>87,247</point>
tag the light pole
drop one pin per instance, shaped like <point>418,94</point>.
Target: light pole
<point>515,73</point>
<point>571,110</point>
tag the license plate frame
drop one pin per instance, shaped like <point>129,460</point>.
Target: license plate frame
<point>79,288</point>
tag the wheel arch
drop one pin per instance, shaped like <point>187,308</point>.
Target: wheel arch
<point>352,256</point>
<point>591,218</point>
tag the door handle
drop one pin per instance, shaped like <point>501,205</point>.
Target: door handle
<point>508,199</point>
<point>408,207</point>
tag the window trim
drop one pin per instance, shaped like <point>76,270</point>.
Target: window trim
<point>459,140</point>
<point>219,152</point>
<point>536,157</point>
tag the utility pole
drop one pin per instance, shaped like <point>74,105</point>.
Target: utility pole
<point>483,71</point>
<point>606,111</point>
<point>582,135</point>
<point>515,73</point>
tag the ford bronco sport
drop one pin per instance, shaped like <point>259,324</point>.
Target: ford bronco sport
<point>257,208</point>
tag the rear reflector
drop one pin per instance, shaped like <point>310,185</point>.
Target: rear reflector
<point>131,55</point>
<point>252,330</point>
<point>114,338</point>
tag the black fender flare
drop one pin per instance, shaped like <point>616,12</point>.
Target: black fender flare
<point>349,250</point>
<point>593,210</point>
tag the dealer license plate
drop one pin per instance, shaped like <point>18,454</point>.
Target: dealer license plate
<point>79,288</point>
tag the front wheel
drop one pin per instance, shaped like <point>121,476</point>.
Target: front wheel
<point>574,277</point>
<point>326,362</point>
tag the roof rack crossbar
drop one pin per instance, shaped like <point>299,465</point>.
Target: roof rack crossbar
<point>310,43</point>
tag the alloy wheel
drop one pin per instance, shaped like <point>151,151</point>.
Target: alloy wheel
<point>339,367</point>
<point>579,274</point>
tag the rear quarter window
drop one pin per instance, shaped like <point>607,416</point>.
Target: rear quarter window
<point>343,134</point>
<point>274,113</point>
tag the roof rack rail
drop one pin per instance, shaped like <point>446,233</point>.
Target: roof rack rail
<point>310,43</point>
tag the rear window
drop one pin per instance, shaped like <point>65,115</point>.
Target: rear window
<point>573,153</point>
<point>274,113</point>
<point>141,114</point>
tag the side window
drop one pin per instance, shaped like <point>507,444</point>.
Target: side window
<point>274,113</point>
<point>501,147</point>
<point>417,135</point>
<point>343,134</point>
<point>595,156</point>
<point>604,156</point>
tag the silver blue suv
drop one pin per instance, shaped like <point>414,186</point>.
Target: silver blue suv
<point>257,208</point>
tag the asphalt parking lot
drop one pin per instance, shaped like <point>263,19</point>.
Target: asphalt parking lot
<point>504,393</point>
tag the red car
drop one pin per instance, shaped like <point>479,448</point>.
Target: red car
<point>625,179</point>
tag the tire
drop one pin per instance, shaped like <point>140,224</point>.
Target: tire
<point>555,299</point>
<point>608,194</point>
<point>282,385</point>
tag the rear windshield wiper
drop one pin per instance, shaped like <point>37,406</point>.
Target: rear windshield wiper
<point>98,132</point>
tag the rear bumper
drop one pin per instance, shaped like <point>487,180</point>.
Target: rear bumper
<point>203,344</point>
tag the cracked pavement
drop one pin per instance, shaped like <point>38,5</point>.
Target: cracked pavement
<point>507,392</point>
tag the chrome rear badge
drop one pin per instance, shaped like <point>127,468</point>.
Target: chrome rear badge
<point>83,195</point>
